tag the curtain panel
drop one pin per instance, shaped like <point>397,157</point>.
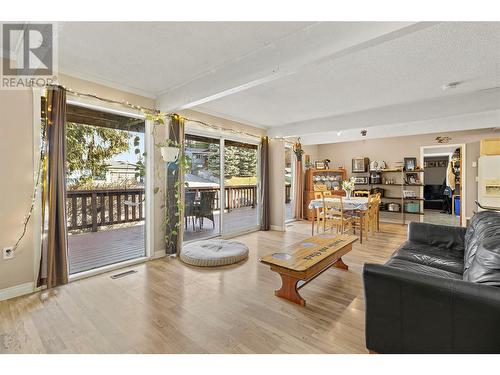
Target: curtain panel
<point>54,257</point>
<point>265,219</point>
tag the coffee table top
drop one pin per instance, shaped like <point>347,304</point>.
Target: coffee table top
<point>305,254</point>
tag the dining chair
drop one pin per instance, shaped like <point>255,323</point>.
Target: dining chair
<point>374,212</point>
<point>190,208</point>
<point>360,220</point>
<point>334,215</point>
<point>319,210</point>
<point>207,207</point>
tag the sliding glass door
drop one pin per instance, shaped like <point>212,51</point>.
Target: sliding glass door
<point>240,186</point>
<point>202,193</point>
<point>221,195</point>
<point>105,188</point>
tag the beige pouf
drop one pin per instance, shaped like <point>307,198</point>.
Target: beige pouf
<point>213,253</point>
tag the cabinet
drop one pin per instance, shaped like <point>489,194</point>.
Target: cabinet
<point>330,179</point>
<point>405,188</point>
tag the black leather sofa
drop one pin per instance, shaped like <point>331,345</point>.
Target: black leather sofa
<point>439,292</point>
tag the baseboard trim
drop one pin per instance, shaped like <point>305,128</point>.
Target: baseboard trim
<point>277,228</point>
<point>159,254</point>
<point>16,291</point>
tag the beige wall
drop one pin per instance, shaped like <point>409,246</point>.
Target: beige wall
<point>395,149</point>
<point>16,160</point>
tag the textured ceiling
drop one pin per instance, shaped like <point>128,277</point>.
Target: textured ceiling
<point>152,57</point>
<point>407,69</point>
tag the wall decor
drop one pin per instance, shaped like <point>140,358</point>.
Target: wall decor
<point>319,165</point>
<point>443,139</point>
<point>360,165</point>
<point>410,164</point>
<point>442,163</point>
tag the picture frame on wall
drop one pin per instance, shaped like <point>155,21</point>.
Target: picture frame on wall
<point>410,164</point>
<point>319,165</point>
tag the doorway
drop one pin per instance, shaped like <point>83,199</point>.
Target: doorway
<point>443,184</point>
<point>221,194</point>
<point>106,191</point>
<point>289,178</point>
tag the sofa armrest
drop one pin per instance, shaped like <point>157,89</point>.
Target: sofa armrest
<point>443,236</point>
<point>407,312</point>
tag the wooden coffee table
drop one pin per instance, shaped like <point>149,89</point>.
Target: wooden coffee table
<point>306,260</point>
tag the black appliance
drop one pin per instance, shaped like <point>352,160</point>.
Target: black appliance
<point>375,178</point>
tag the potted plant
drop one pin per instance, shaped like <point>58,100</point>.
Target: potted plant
<point>297,149</point>
<point>169,150</point>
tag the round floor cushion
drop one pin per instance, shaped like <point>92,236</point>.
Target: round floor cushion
<point>213,253</point>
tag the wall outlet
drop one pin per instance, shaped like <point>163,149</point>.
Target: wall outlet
<point>8,252</point>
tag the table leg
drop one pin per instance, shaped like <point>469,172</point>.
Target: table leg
<point>289,290</point>
<point>340,264</point>
<point>312,227</point>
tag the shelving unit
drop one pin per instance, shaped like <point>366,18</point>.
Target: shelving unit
<point>403,186</point>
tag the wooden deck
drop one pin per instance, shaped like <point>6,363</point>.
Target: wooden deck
<point>92,250</point>
<point>98,249</point>
<point>236,220</point>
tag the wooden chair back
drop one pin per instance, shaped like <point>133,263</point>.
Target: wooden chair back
<point>361,193</point>
<point>320,187</point>
<point>334,214</point>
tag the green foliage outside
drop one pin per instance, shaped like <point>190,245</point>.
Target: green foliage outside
<point>87,150</point>
<point>240,164</point>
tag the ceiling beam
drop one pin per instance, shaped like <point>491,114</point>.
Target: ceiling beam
<point>315,44</point>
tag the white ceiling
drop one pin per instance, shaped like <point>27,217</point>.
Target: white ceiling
<point>153,57</point>
<point>309,79</point>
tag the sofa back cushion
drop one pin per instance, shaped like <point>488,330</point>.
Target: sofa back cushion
<point>483,225</point>
<point>485,267</point>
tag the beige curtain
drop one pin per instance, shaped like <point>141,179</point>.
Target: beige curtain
<point>54,259</point>
<point>298,190</point>
<point>265,215</point>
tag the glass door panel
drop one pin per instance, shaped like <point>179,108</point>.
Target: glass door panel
<point>240,186</point>
<point>105,188</point>
<point>202,195</point>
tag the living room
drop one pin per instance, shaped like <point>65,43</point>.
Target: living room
<point>264,187</point>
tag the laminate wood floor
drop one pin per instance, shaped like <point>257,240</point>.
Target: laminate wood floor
<point>168,307</point>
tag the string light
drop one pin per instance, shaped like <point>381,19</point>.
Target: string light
<point>144,110</point>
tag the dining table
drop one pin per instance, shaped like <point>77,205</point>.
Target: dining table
<point>358,205</point>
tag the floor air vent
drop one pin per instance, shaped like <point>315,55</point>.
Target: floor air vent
<point>123,274</point>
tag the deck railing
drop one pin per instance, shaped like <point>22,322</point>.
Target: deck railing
<point>95,208</point>
<point>235,196</point>
<point>90,209</point>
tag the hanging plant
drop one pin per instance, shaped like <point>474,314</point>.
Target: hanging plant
<point>170,150</point>
<point>297,149</point>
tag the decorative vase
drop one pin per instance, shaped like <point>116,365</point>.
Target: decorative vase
<point>348,194</point>
<point>169,154</point>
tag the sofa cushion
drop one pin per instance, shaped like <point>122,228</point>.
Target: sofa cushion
<point>422,269</point>
<point>485,267</point>
<point>484,224</point>
<point>431,256</point>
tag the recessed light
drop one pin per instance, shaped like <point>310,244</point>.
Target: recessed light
<point>339,133</point>
<point>451,85</point>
